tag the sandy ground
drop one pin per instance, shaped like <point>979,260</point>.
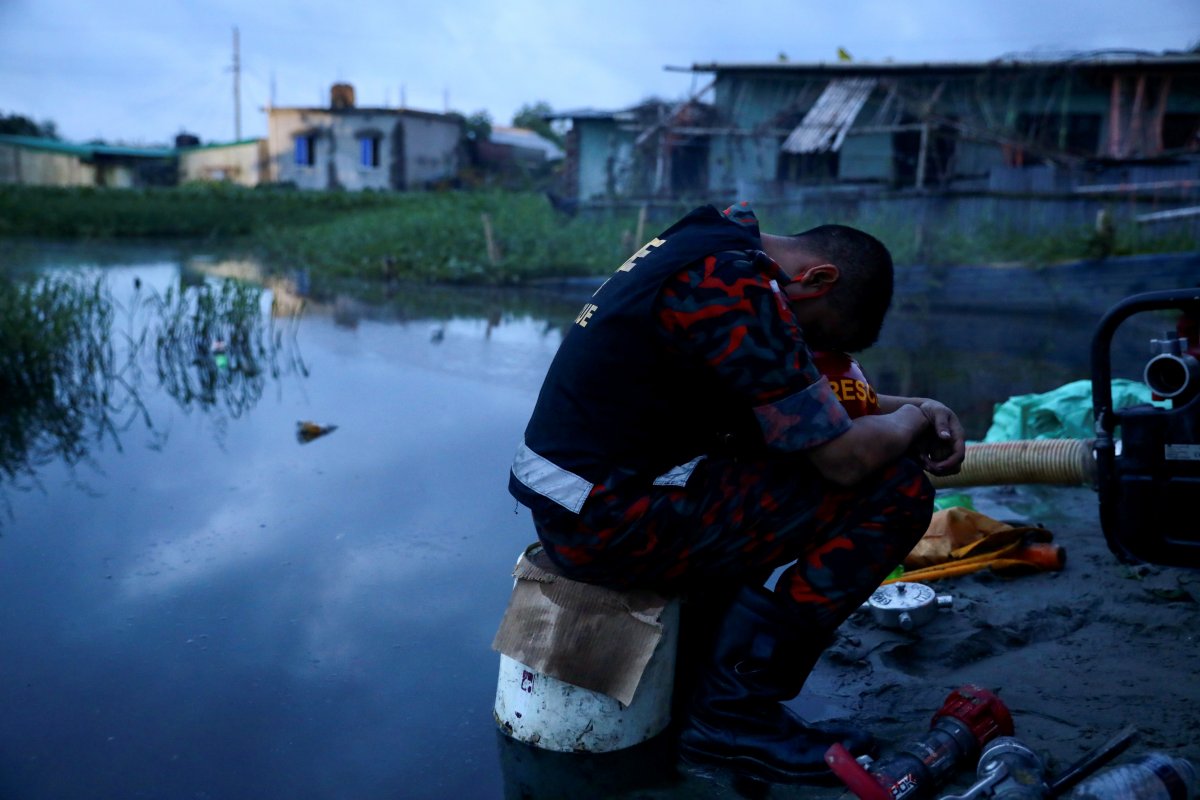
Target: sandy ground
<point>1076,656</point>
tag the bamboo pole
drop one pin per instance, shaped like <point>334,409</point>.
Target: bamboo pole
<point>493,251</point>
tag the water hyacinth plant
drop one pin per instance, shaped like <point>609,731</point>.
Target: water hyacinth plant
<point>496,237</point>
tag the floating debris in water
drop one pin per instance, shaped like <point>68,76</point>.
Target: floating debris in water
<point>307,431</point>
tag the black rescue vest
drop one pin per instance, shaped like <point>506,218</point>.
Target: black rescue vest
<point>616,398</point>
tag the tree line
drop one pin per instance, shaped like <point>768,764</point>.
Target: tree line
<point>21,125</point>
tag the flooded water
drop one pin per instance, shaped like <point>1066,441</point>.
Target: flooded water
<point>195,603</point>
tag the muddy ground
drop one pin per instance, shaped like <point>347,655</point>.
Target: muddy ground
<point>1076,656</point>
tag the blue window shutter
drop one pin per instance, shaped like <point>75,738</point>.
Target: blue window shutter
<point>305,150</point>
<point>368,151</point>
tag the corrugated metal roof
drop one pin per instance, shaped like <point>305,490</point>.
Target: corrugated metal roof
<point>85,150</point>
<point>1102,60</point>
<point>825,124</point>
<point>362,110</point>
<point>217,145</point>
<point>583,113</point>
<point>620,115</point>
<point>524,137</point>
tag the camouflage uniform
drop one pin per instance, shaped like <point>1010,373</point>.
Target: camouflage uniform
<point>756,503</point>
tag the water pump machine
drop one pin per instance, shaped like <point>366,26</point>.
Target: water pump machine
<point>1148,456</point>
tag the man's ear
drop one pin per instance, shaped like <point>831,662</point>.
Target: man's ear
<point>813,281</point>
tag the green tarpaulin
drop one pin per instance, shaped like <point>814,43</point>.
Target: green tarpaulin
<point>1063,413</point>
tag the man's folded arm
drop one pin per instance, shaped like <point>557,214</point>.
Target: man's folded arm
<point>871,443</point>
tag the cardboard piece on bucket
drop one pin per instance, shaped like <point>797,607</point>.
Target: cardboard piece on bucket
<point>587,635</point>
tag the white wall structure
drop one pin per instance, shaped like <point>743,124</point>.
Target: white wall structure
<point>244,163</point>
<point>346,147</point>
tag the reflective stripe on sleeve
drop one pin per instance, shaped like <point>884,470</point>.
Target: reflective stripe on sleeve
<point>550,480</point>
<point>678,476</point>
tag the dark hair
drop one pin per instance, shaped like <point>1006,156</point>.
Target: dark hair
<point>866,281</point>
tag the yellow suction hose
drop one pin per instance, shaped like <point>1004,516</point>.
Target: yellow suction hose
<point>1066,462</point>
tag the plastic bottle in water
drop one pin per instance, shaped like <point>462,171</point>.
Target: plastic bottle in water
<point>1152,777</point>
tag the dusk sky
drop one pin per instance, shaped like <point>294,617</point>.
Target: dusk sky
<point>141,71</point>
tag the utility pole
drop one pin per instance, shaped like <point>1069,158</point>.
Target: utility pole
<point>237,88</point>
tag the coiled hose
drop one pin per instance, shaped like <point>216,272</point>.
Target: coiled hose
<point>1065,462</point>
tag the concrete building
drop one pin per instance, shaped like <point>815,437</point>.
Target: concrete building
<point>244,163</point>
<point>348,147</point>
<point>48,162</point>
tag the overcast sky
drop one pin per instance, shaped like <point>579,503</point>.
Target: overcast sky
<point>140,71</point>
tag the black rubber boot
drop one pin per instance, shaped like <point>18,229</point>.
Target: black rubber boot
<point>761,657</point>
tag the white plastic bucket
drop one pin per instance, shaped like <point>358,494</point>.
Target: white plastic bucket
<point>554,715</point>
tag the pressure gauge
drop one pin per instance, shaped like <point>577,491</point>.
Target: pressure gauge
<point>905,605</point>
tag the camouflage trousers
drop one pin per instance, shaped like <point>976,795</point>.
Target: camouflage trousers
<point>738,521</point>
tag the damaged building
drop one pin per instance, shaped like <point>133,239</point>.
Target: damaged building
<point>784,129</point>
<point>345,146</point>
<point>648,150</point>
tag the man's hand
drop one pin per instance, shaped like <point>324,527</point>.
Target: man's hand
<point>943,447</point>
<point>919,427</point>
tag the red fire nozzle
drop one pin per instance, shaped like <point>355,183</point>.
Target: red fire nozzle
<point>969,719</point>
<point>985,716</point>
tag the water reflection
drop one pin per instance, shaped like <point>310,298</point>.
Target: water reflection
<point>79,356</point>
<point>73,361</point>
<point>974,360</point>
<point>531,773</point>
<point>77,361</point>
<point>64,384</point>
<point>404,303</point>
<point>318,618</point>
<point>212,346</point>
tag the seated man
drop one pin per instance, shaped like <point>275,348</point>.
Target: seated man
<point>684,440</point>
